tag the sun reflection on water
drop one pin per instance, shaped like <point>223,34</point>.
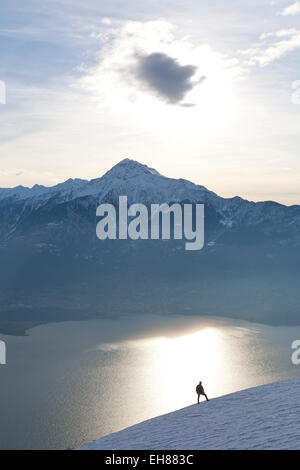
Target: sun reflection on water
<point>138,376</point>
<point>166,370</point>
<point>179,363</point>
<point>159,373</point>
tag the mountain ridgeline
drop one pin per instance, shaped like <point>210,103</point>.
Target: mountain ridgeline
<point>54,268</point>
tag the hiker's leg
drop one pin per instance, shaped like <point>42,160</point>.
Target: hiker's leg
<point>206,397</point>
<point>198,398</point>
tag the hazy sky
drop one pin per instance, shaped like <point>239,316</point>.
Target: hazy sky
<point>205,90</point>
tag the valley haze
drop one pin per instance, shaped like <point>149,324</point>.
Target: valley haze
<point>54,268</point>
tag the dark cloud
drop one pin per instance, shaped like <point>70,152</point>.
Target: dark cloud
<point>165,76</point>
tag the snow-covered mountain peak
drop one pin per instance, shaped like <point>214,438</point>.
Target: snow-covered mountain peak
<point>128,168</point>
<point>143,184</point>
<point>130,177</point>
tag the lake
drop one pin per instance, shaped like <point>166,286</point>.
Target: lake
<point>68,383</point>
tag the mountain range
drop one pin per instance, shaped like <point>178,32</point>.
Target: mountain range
<point>54,268</point>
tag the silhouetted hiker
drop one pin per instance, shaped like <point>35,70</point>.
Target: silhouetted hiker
<point>200,391</point>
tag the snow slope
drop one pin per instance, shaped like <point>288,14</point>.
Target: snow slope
<point>265,417</point>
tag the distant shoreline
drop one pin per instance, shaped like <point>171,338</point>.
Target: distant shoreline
<point>20,327</point>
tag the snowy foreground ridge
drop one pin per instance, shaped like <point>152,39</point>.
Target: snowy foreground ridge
<point>265,417</point>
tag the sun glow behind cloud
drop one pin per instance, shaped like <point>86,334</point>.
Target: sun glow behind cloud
<point>114,86</point>
<point>77,104</point>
